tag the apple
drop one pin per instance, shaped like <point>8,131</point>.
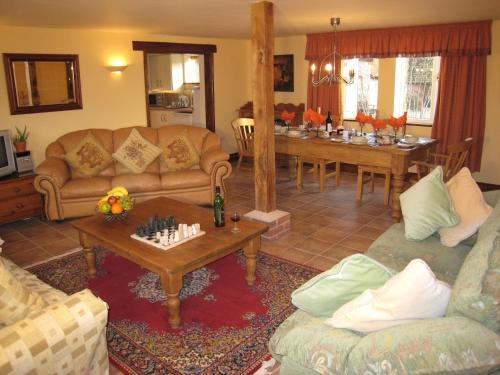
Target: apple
<point>112,200</point>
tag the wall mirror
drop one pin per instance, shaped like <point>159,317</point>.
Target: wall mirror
<point>42,83</point>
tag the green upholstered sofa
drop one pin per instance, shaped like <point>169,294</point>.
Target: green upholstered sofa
<point>465,341</point>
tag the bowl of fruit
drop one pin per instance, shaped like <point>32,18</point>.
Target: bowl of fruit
<point>116,204</point>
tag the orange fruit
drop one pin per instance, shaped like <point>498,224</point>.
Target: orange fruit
<point>116,209</point>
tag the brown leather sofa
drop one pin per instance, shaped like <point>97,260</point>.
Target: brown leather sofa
<point>68,194</point>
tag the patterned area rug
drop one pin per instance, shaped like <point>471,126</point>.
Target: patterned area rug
<point>226,324</point>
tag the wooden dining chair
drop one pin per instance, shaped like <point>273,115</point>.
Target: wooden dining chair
<point>451,162</point>
<point>319,171</point>
<point>243,132</point>
<point>373,170</point>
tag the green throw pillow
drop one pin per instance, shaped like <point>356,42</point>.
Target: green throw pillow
<point>426,207</point>
<point>326,292</point>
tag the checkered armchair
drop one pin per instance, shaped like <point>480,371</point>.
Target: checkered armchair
<point>66,336</point>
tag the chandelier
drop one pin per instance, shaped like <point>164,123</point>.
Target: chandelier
<point>327,72</point>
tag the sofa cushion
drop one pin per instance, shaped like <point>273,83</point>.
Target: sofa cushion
<point>311,344</point>
<point>184,179</point>
<point>86,187</point>
<point>393,250</point>
<point>476,293</point>
<point>137,183</point>
<point>329,290</point>
<point>178,153</point>
<point>454,345</point>
<point>89,157</point>
<point>16,300</point>
<point>469,205</point>
<point>427,207</point>
<point>412,294</point>
<point>136,152</point>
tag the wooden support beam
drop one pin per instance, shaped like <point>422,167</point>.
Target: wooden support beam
<point>263,102</point>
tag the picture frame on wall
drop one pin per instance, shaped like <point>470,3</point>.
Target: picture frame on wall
<point>283,73</point>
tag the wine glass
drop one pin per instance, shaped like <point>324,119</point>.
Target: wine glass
<point>235,217</point>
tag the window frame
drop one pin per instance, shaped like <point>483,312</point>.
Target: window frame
<point>400,95</point>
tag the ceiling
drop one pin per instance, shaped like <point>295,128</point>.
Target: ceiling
<point>231,18</point>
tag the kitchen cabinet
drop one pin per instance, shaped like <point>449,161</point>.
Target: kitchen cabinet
<point>160,117</point>
<point>165,72</point>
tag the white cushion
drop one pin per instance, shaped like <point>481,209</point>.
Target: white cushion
<point>412,294</point>
<point>469,205</point>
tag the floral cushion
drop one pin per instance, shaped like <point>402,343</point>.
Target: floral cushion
<point>178,153</point>
<point>433,346</point>
<point>16,301</point>
<point>89,157</point>
<point>136,153</point>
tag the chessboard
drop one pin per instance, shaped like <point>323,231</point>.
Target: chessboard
<point>165,233</point>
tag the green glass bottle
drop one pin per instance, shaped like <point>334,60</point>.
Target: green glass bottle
<point>219,219</point>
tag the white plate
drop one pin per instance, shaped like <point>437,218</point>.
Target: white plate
<point>405,145</point>
<point>337,140</point>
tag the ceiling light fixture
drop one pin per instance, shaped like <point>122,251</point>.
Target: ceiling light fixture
<point>327,72</point>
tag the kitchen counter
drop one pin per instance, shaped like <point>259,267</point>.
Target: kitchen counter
<point>173,109</point>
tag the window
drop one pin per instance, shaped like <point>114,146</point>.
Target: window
<point>362,95</point>
<point>415,89</point>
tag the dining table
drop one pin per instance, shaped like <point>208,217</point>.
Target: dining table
<point>397,157</point>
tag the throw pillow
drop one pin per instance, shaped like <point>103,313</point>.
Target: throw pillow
<point>470,206</point>
<point>89,157</point>
<point>326,292</point>
<point>178,153</point>
<point>427,207</point>
<point>412,294</point>
<point>136,153</point>
<point>16,301</point>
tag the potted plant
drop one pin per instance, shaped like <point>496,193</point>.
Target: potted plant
<point>20,139</point>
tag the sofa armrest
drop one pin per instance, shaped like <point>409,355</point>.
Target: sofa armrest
<point>214,162</point>
<point>52,174</point>
<point>209,158</point>
<point>56,169</point>
<point>69,337</point>
<point>431,346</point>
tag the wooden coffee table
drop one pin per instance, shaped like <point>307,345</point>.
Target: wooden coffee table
<point>174,263</point>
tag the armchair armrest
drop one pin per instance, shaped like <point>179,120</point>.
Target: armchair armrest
<point>431,346</point>
<point>210,157</point>
<point>69,337</point>
<point>56,169</point>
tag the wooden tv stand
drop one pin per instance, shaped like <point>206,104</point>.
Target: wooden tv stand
<point>18,198</point>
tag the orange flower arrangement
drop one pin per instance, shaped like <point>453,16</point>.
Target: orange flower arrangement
<point>316,118</point>
<point>287,116</point>
<point>378,124</point>
<point>398,122</point>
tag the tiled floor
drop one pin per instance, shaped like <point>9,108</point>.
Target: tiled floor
<point>325,226</point>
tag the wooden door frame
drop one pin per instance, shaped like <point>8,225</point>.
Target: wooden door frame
<point>207,50</point>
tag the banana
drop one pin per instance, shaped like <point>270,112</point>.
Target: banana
<point>118,191</point>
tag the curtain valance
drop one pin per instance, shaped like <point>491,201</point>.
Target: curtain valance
<point>457,39</point>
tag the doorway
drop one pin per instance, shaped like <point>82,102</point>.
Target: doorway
<point>179,83</point>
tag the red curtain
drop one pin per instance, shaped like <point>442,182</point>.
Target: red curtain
<point>463,47</point>
<point>470,38</point>
<point>461,105</point>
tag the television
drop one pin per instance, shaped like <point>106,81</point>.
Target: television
<point>7,163</point>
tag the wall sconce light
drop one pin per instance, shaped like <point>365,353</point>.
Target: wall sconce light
<point>116,68</point>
